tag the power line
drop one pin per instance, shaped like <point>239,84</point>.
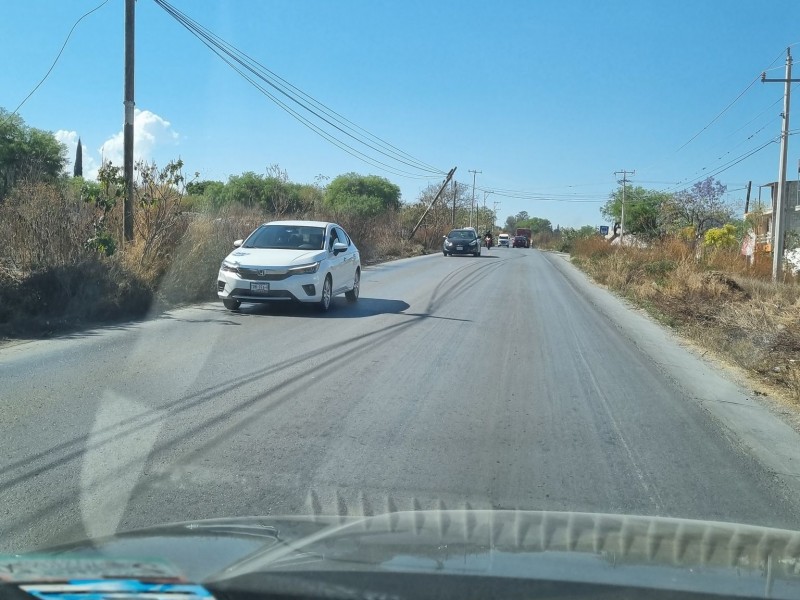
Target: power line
<point>60,52</point>
<point>541,197</point>
<point>721,157</point>
<point>319,131</point>
<point>213,41</point>
<point>749,137</point>
<point>306,102</point>
<point>777,101</point>
<point>722,112</point>
<point>732,163</point>
<point>727,108</point>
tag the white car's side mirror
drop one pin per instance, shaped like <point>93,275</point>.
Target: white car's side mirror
<point>238,243</point>
<point>339,247</point>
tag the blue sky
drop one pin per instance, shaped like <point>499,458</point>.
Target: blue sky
<point>545,97</point>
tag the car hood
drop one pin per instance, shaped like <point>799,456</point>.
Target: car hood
<point>650,552</point>
<point>273,257</point>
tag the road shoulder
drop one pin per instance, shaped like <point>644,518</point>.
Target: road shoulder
<point>747,419</point>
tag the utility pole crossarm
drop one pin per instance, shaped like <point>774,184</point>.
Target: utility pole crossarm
<point>765,80</point>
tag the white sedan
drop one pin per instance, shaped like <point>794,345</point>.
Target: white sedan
<point>302,261</point>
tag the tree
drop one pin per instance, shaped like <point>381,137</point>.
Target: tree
<point>247,189</point>
<point>284,196</point>
<point>536,225</point>
<point>702,207</point>
<point>721,237</point>
<point>643,210</point>
<point>77,170</point>
<point>515,221</point>
<point>362,195</point>
<point>27,153</point>
<point>199,187</point>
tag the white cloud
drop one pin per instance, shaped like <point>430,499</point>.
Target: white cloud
<point>149,132</point>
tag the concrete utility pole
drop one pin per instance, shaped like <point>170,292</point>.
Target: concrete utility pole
<point>624,185</point>
<point>486,193</point>
<point>127,142</point>
<point>778,221</point>
<point>472,208</point>
<point>494,214</point>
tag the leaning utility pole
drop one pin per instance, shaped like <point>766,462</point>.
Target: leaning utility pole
<point>780,199</point>
<point>435,198</point>
<point>455,193</point>
<point>127,161</point>
<point>472,208</point>
<point>622,218</point>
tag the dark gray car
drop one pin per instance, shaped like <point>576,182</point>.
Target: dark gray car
<point>462,241</point>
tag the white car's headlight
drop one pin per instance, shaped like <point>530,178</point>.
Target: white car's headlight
<point>305,269</point>
<point>230,267</point>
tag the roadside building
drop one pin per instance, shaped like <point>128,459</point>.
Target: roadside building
<point>761,213</point>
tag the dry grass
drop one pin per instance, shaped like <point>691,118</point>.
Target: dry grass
<point>717,300</point>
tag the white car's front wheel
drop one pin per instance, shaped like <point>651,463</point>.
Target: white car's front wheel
<point>231,304</point>
<point>327,289</point>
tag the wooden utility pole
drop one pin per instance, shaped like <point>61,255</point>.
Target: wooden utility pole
<point>455,194</point>
<point>439,193</point>
<point>747,199</point>
<point>778,221</point>
<point>127,131</point>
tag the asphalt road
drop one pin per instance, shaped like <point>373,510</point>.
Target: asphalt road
<point>504,381</point>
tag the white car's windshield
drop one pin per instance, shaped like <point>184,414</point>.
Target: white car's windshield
<point>287,237</point>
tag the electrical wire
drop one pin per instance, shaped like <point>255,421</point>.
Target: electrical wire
<point>730,104</point>
<point>732,163</point>
<point>540,196</point>
<point>722,156</point>
<point>722,112</point>
<point>306,102</point>
<point>777,101</point>
<point>213,41</point>
<point>52,66</point>
<point>322,133</point>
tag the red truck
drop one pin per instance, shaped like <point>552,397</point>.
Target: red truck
<point>526,233</point>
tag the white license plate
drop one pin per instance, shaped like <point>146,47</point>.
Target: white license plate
<point>261,288</point>
<point>459,247</point>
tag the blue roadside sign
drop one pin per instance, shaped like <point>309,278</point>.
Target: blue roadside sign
<point>603,229</point>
